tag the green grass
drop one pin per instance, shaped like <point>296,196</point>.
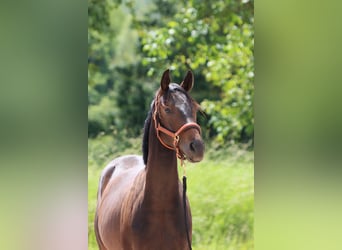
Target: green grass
<point>220,190</point>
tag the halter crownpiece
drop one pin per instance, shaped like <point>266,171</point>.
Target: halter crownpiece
<point>173,135</point>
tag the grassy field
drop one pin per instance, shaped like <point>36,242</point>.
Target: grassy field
<point>220,190</point>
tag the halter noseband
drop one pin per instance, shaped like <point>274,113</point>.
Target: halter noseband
<point>173,135</point>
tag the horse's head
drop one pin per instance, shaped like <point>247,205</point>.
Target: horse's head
<point>175,118</point>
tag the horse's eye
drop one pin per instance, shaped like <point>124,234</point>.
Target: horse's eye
<point>167,110</point>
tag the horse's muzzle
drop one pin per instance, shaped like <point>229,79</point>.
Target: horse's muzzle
<point>195,150</point>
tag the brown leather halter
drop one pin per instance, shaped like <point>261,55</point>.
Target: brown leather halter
<point>174,135</point>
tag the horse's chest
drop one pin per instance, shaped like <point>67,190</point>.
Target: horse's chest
<point>165,231</point>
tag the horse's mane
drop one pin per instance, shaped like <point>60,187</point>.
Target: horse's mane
<point>146,133</point>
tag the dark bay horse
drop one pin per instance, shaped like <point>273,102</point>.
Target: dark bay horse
<point>139,204</point>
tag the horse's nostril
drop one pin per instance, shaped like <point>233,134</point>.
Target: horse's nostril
<point>192,146</point>
<point>196,146</point>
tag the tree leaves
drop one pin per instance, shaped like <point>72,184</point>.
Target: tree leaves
<point>213,39</point>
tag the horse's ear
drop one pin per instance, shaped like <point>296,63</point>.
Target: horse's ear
<point>188,81</point>
<point>165,80</point>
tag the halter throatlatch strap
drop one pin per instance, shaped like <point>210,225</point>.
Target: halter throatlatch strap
<point>175,135</point>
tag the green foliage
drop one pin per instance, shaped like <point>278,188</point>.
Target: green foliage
<point>100,43</point>
<point>115,93</point>
<point>124,107</point>
<point>216,40</point>
<point>101,117</point>
<point>134,100</point>
<point>107,147</point>
<point>129,48</point>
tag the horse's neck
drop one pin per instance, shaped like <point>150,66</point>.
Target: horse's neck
<point>161,187</point>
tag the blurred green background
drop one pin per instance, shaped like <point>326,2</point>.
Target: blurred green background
<point>44,122</point>
<point>130,44</point>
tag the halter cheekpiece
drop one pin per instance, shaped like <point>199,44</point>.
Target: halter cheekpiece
<point>174,135</point>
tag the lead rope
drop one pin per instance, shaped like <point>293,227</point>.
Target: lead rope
<point>184,203</point>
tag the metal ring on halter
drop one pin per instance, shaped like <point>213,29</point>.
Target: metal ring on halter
<point>176,140</point>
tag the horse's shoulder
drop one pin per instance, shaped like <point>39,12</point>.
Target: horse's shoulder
<point>123,164</point>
